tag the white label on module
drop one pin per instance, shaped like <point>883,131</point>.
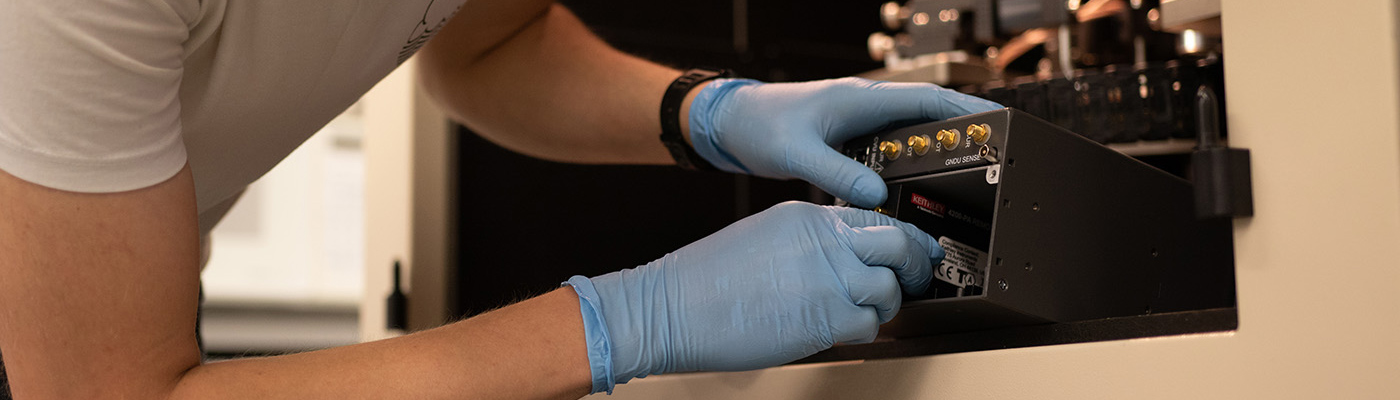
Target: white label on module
<point>961,264</point>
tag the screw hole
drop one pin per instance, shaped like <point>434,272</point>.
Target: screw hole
<point>998,261</point>
<point>1154,252</point>
<point>1006,203</point>
<point>1029,267</point>
<point>1035,206</point>
<point>1010,162</point>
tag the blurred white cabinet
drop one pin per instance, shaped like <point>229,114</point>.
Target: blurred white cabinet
<point>296,235</point>
<point>318,235</point>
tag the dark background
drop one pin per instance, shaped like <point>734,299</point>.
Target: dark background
<point>525,225</point>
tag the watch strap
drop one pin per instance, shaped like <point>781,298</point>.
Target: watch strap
<point>671,102</point>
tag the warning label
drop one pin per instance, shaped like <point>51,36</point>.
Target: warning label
<point>961,264</point>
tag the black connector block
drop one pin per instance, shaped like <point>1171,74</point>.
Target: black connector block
<point>1221,179</point>
<point>1220,174</point>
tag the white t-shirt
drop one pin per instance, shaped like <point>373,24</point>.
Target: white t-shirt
<point>116,95</point>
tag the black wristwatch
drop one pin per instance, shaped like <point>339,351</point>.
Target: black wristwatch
<point>682,152</point>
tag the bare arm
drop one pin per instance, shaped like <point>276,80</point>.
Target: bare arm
<point>98,296</point>
<point>545,86</point>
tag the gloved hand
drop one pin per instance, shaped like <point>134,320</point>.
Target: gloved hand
<point>772,288</point>
<point>788,130</point>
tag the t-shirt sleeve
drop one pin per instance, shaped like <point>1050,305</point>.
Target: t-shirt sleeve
<point>89,92</point>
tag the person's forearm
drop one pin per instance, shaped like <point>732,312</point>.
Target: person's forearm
<point>530,350</point>
<point>98,294</point>
<point>551,90</point>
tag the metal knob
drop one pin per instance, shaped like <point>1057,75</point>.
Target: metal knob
<point>892,14</point>
<point>880,45</point>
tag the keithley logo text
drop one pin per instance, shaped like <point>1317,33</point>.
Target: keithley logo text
<point>928,206</point>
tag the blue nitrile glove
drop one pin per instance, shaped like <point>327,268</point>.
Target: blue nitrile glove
<point>787,130</point>
<point>772,288</point>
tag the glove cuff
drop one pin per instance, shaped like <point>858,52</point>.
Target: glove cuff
<point>702,123</point>
<point>595,333</point>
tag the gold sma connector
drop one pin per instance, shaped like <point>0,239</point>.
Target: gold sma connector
<point>891,149</point>
<point>948,138</point>
<point>919,144</point>
<point>979,133</point>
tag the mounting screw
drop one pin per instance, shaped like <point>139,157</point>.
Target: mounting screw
<point>1002,284</point>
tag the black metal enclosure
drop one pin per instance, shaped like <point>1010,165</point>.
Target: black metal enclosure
<point>1069,229</point>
